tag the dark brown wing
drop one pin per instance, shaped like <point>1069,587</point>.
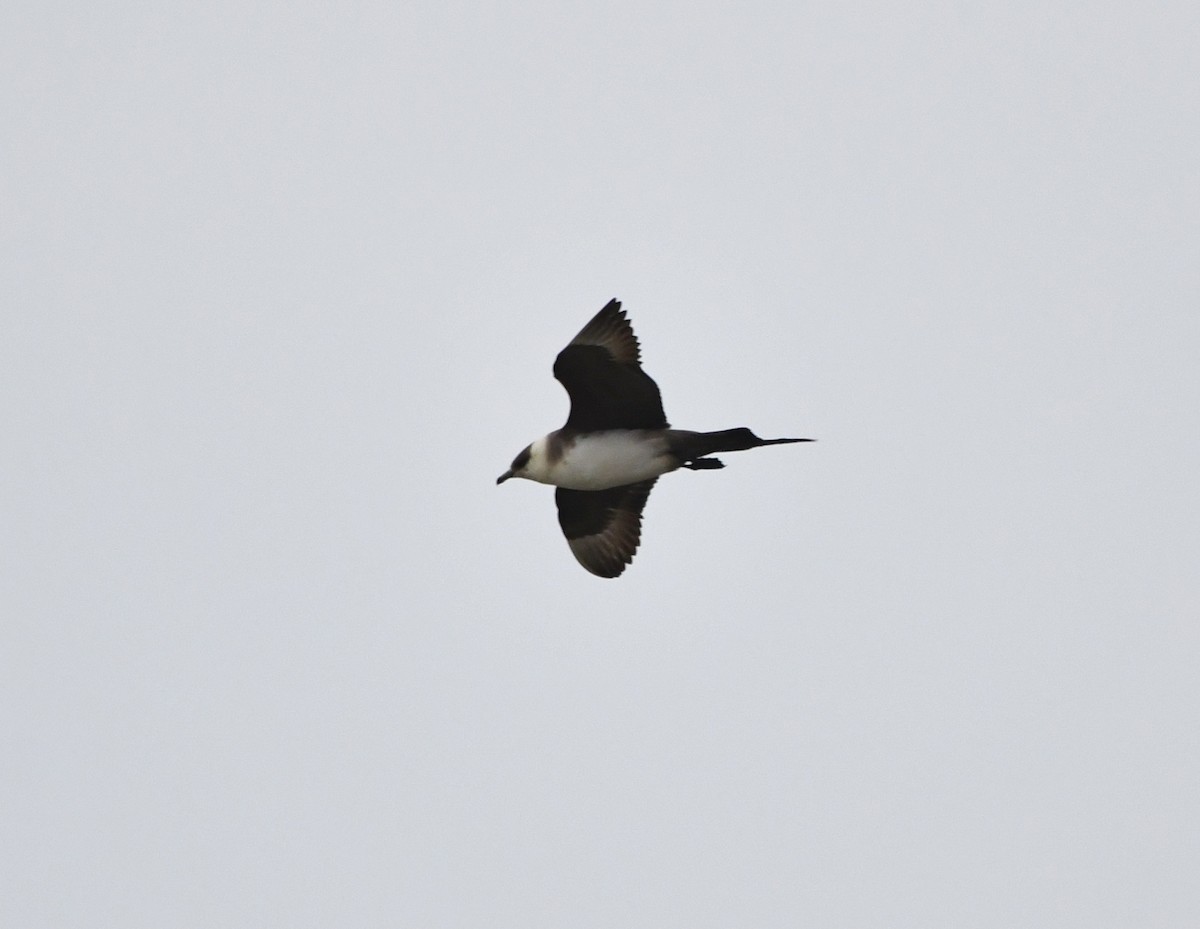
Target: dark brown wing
<point>603,527</point>
<point>602,372</point>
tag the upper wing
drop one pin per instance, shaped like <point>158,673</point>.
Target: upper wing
<point>603,527</point>
<point>603,375</point>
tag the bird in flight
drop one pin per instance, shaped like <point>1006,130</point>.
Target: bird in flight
<point>615,444</point>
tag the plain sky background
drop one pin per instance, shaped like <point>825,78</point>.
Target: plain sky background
<point>282,286</point>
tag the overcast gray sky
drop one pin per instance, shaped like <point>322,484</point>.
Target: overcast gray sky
<point>283,284</point>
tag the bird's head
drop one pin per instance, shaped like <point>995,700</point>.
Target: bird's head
<point>519,464</point>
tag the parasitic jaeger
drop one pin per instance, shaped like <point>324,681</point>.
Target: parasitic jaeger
<point>615,444</point>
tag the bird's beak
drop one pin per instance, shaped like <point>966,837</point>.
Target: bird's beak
<point>504,477</point>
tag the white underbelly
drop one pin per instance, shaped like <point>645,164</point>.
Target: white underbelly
<point>612,459</point>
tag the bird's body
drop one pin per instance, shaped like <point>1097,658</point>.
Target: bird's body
<point>599,460</point>
<point>615,444</point>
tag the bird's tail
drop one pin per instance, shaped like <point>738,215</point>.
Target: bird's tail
<point>691,447</point>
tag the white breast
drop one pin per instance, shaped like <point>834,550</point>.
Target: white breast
<point>610,459</point>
